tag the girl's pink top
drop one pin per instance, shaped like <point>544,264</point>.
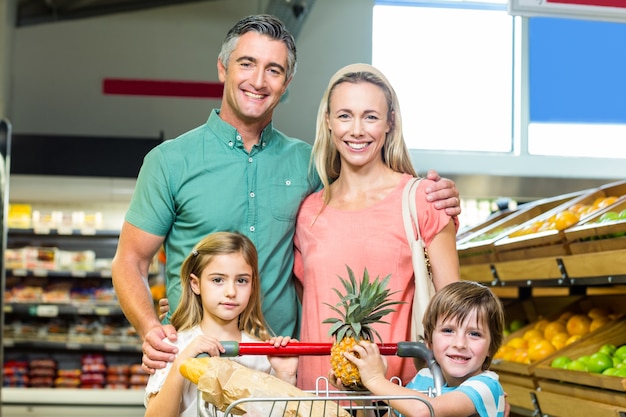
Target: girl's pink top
<point>372,238</point>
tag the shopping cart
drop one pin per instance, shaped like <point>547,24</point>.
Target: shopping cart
<point>322,402</point>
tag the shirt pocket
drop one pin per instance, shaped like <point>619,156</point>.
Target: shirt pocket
<point>286,196</point>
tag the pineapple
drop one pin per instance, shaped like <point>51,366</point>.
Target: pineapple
<point>362,305</point>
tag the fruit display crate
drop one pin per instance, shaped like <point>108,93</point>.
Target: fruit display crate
<point>613,333</point>
<point>613,303</point>
<point>493,217</point>
<point>478,247</point>
<point>596,264</point>
<point>553,242</point>
<point>594,236</point>
<point>571,400</point>
<point>519,389</point>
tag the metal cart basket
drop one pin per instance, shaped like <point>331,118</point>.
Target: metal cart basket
<point>323,402</point>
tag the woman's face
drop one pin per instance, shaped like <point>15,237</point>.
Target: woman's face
<point>358,122</point>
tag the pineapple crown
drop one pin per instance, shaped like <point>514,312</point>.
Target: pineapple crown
<point>363,304</point>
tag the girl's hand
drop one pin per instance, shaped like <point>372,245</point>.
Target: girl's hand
<point>164,308</point>
<point>202,344</point>
<point>285,367</point>
<point>366,356</point>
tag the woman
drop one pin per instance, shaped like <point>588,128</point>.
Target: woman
<point>356,219</point>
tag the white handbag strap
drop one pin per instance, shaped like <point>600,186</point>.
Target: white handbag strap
<point>409,211</point>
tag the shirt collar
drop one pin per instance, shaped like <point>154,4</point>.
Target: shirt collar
<point>229,135</point>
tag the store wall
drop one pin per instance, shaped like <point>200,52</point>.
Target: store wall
<point>57,70</point>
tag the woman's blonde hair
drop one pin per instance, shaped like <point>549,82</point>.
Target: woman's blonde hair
<point>456,301</point>
<point>325,156</point>
<point>189,311</point>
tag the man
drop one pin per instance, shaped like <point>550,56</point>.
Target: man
<point>234,173</point>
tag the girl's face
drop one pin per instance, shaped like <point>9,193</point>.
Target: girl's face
<point>224,286</point>
<point>358,122</point>
<point>460,348</point>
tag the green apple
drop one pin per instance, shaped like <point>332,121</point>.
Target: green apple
<point>516,325</point>
<point>621,372</point>
<point>622,214</point>
<point>620,352</point>
<point>609,216</point>
<point>609,371</point>
<point>608,348</point>
<point>576,365</point>
<point>560,362</point>
<point>598,362</point>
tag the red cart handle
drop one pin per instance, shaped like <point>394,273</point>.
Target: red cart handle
<point>402,349</point>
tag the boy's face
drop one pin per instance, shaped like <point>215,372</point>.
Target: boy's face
<point>460,348</point>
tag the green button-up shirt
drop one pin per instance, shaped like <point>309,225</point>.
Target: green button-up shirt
<point>205,181</point>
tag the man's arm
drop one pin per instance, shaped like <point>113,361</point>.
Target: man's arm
<point>443,194</point>
<point>135,251</point>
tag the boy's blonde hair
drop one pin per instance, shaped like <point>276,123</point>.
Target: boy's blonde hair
<point>456,301</point>
<point>189,311</point>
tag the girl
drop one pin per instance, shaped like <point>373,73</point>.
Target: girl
<point>220,301</point>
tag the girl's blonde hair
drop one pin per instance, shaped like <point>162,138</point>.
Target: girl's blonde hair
<point>456,301</point>
<point>325,156</point>
<point>189,311</point>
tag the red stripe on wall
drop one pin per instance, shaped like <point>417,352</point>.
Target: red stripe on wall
<point>131,87</point>
<point>599,3</point>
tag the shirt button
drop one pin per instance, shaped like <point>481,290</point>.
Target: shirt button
<point>252,195</point>
<point>250,160</point>
<point>239,138</point>
<point>288,182</point>
<point>230,143</point>
<point>252,228</point>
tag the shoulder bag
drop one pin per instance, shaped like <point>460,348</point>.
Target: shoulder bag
<point>424,288</point>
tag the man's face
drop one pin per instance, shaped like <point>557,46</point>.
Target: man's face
<point>254,81</point>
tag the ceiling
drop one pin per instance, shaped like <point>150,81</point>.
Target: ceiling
<point>31,12</point>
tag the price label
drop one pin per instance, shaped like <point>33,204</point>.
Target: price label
<point>47,310</point>
<point>78,274</point>
<point>40,272</point>
<point>73,346</point>
<point>112,347</point>
<point>19,272</point>
<point>102,311</point>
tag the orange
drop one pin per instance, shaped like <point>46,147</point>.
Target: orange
<point>504,349</point>
<point>572,339</point>
<point>598,322</point>
<point>578,324</point>
<point>540,350</point>
<point>566,315</point>
<point>565,219</point>
<point>532,334</point>
<point>517,342</point>
<point>541,325</point>
<point>553,328</point>
<point>521,356</point>
<point>597,312</point>
<point>602,202</point>
<point>559,340</point>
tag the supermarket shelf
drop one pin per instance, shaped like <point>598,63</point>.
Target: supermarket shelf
<point>64,232</point>
<point>71,396</point>
<point>55,310</point>
<point>68,345</point>
<point>58,274</point>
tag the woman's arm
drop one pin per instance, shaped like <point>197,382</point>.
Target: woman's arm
<point>444,258</point>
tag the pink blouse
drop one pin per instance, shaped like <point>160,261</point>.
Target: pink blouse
<point>372,238</point>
